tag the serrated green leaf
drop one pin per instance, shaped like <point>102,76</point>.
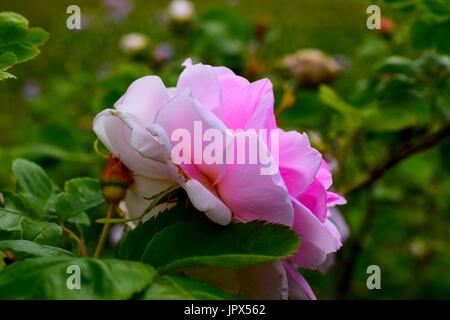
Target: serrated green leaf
<point>79,195</point>
<point>6,75</point>
<point>17,40</point>
<point>32,248</point>
<point>195,243</point>
<point>182,288</point>
<point>47,278</point>
<point>35,186</point>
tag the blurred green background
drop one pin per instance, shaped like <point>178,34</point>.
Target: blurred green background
<point>392,89</point>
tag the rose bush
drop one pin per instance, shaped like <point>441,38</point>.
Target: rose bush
<point>139,132</point>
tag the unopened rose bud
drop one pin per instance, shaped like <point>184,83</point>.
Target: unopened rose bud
<point>115,180</point>
<point>311,67</point>
<point>132,43</point>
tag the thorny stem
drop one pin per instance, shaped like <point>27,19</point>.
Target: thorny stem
<point>105,231</point>
<point>81,245</point>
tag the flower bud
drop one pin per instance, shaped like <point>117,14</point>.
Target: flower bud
<point>311,67</point>
<point>115,180</point>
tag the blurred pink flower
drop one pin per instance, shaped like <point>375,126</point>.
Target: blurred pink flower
<point>138,132</point>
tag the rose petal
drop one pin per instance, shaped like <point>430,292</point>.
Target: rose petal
<point>116,131</point>
<point>252,195</point>
<point>299,289</point>
<point>318,239</point>
<point>137,198</point>
<point>299,162</point>
<point>203,83</point>
<point>143,99</point>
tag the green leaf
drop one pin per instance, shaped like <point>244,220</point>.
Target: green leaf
<point>12,203</point>
<point>32,248</point>
<point>330,98</point>
<point>402,65</point>
<point>10,222</point>
<point>22,51</point>
<point>34,185</point>
<point>81,219</point>
<point>182,288</point>
<point>18,43</point>
<point>37,36</point>
<point>79,195</point>
<point>133,245</point>
<point>7,59</point>
<point>47,278</point>
<point>6,75</point>
<point>195,243</point>
<point>42,232</point>
<point>18,227</point>
<point>13,28</point>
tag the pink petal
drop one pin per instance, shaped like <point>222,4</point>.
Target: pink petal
<point>315,199</point>
<point>116,131</point>
<point>299,162</point>
<point>317,239</point>
<point>335,217</point>
<point>205,201</point>
<point>252,195</point>
<point>324,175</point>
<point>335,199</point>
<point>143,99</point>
<point>188,112</point>
<point>203,84</point>
<point>299,289</point>
<point>247,105</point>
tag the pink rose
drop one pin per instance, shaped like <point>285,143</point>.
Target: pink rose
<point>141,129</point>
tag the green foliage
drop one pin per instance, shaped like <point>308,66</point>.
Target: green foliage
<point>47,278</point>
<point>178,238</point>
<point>79,195</point>
<point>182,288</point>
<point>168,243</point>
<point>18,42</point>
<point>31,248</point>
<point>394,90</point>
<point>237,245</point>
<point>34,186</point>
